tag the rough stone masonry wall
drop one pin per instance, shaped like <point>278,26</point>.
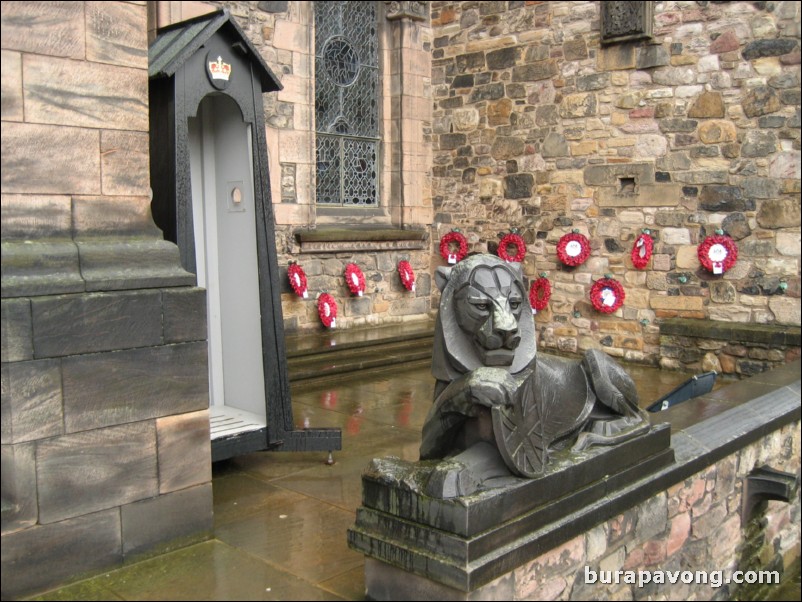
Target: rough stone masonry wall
<point>105,428</point>
<point>538,126</point>
<point>694,525</point>
<point>283,32</point>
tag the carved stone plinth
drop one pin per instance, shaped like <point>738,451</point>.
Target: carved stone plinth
<point>424,548</point>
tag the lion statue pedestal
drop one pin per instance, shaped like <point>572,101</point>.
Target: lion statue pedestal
<point>514,443</point>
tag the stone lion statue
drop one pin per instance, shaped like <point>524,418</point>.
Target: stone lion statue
<point>499,408</point>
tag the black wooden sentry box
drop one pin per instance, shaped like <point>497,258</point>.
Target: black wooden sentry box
<point>211,196</point>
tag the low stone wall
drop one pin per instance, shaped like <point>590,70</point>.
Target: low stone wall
<point>726,347</point>
<point>685,517</point>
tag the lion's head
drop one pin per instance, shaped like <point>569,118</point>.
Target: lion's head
<point>480,319</point>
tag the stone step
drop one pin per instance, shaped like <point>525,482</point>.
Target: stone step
<point>323,355</point>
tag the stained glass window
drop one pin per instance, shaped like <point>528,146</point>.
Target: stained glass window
<point>346,103</point>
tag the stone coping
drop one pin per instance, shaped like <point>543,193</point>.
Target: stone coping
<point>360,238</point>
<point>769,334</point>
<point>705,430</point>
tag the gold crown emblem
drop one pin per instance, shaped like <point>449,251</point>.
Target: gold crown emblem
<point>219,69</point>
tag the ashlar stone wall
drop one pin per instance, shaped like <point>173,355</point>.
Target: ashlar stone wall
<point>105,427</point>
<point>539,126</point>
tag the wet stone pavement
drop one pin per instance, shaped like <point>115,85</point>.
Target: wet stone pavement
<point>281,518</point>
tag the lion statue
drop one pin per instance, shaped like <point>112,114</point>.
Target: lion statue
<point>499,408</point>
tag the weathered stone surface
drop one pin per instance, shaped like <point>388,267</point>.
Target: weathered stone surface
<point>646,195</point>
<point>554,145</point>
<point>786,165</point>
<point>726,42</point>
<point>74,93</point>
<point>73,324</point>
<point>125,162</point>
<point>47,159</point>
<point>676,124</point>
<point>471,62</point>
<point>760,48</point>
<point>652,56</point>
<point>674,76</point>
<point>54,28</point>
<point>650,146</point>
<point>116,34</point>
<point>708,105</point>
<point>760,188</point>
<point>547,115</point>
<point>11,85</point>
<point>507,147</point>
<point>31,401</point>
<point>465,119</point>
<point>687,258</point>
<point>575,50</point>
<point>759,143</point>
<point>779,213</point>
<point>716,132</point>
<point>488,92</point>
<point>518,186</point>
<point>19,488</point>
<point>756,248</point>
<point>722,292</point>
<point>609,175</point>
<point>786,310</point>
<point>452,141</point>
<point>16,331</point>
<point>724,198</point>
<point>616,57</point>
<point>676,236</point>
<point>678,303</point>
<point>578,105</point>
<point>85,472</point>
<point>503,58</point>
<point>760,100</point>
<point>535,71</point>
<point>128,386</point>
<point>184,315</point>
<point>595,81</point>
<point>789,243</point>
<point>498,113</point>
<point>179,518</point>
<point>184,450</point>
<point>736,225</point>
<point>81,545</point>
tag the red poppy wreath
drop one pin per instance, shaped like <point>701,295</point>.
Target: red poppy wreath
<point>298,280</point>
<point>455,236</point>
<point>573,249</point>
<point>355,279</point>
<point>407,275</point>
<point>607,295</point>
<point>514,239</point>
<point>539,293</point>
<point>327,310</point>
<point>717,253</point>
<point>642,250</point>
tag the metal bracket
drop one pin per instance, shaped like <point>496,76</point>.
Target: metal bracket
<point>765,483</point>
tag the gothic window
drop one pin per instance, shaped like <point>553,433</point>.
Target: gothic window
<point>346,103</point>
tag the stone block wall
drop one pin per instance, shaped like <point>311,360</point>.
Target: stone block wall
<point>105,430</point>
<point>539,126</point>
<point>693,526</point>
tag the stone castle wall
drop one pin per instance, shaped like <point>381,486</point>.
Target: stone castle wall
<point>693,526</point>
<point>538,126</point>
<point>105,427</point>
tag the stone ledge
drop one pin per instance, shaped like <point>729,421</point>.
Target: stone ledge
<point>768,334</point>
<point>335,240</point>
